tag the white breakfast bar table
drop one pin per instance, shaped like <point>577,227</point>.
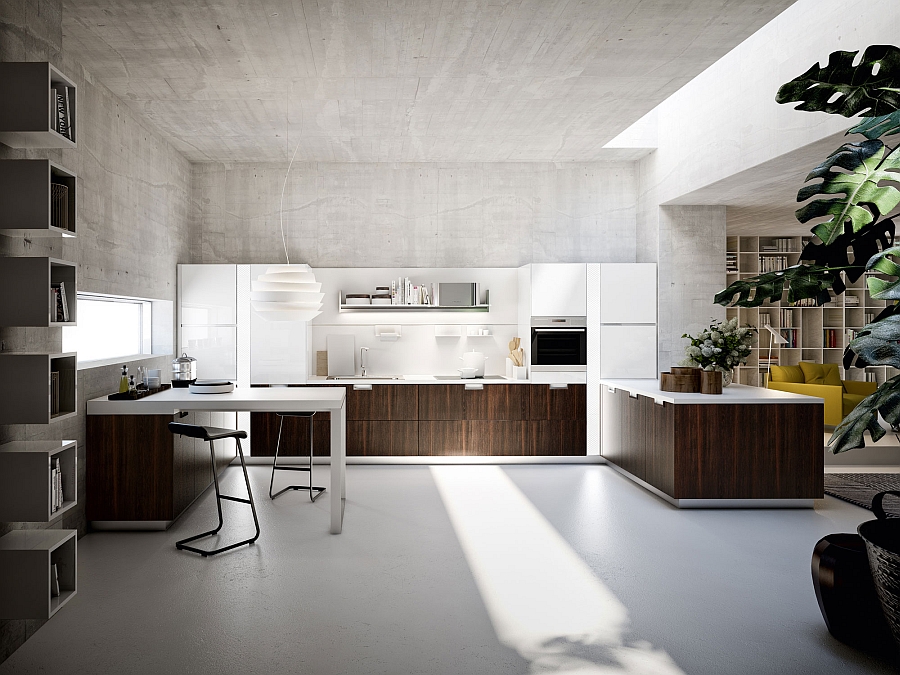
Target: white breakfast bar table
<point>126,439</point>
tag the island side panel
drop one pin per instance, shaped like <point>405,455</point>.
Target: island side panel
<point>755,451</point>
<point>129,462</point>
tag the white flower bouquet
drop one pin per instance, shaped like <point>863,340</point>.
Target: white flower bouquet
<point>723,346</point>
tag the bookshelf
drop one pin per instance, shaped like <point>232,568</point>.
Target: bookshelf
<point>25,486</point>
<point>818,334</point>
<point>26,559</point>
<point>28,105</point>
<point>27,284</point>
<point>27,389</point>
<point>38,198</point>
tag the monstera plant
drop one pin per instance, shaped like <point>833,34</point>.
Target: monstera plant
<point>849,199</point>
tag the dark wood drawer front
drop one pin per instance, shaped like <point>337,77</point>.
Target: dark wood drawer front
<point>557,438</point>
<point>369,404</point>
<point>441,438</point>
<point>497,402</point>
<point>500,438</point>
<point>376,438</point>
<point>557,404</point>
<point>442,402</point>
<point>294,435</point>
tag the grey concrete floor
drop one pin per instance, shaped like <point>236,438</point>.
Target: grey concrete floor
<point>715,592</point>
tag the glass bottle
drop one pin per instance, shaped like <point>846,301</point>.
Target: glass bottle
<point>123,382</point>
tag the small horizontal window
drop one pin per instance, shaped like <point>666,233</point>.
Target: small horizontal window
<point>111,327</point>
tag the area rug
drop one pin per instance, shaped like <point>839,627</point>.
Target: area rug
<point>860,488</point>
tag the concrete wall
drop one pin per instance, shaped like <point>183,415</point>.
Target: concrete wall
<point>133,194</point>
<point>722,138</point>
<point>414,215</point>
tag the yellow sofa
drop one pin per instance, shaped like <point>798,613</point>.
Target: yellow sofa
<point>822,380</point>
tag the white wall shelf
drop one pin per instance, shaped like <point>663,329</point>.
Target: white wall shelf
<point>26,284</point>
<point>344,307</point>
<point>26,557</point>
<point>27,193</point>
<point>25,387</point>
<point>25,488</point>
<point>817,334</point>
<point>27,107</point>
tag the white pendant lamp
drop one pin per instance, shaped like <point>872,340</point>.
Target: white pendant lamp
<point>286,292</point>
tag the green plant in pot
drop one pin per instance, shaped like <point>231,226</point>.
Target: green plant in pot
<point>849,199</point>
<point>723,346</point>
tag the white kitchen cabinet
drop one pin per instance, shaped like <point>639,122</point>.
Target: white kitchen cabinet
<point>628,352</point>
<point>278,349</point>
<point>559,289</point>
<point>628,293</point>
<point>207,295</point>
<point>214,347</point>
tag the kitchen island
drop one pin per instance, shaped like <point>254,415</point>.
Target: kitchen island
<point>140,476</point>
<point>745,448</point>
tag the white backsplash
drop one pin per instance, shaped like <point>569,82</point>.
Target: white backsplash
<point>418,351</point>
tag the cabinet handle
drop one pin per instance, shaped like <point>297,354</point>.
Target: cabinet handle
<point>561,385</point>
<point>362,387</point>
<point>474,386</point>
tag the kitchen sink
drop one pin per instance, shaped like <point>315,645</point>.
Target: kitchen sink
<point>474,379</point>
<point>359,377</point>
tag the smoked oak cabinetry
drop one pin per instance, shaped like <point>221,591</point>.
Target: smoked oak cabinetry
<point>411,420</point>
<point>746,447</point>
<point>140,471</point>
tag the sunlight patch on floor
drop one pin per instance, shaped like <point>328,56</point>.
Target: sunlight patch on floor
<point>542,598</point>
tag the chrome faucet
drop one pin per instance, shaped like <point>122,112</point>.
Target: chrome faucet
<point>363,360</point>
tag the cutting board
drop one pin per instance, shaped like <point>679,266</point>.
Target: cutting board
<point>341,355</point>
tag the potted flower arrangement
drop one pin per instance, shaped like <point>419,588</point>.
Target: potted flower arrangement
<point>722,346</point>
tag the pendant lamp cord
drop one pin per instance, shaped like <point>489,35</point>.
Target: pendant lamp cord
<point>281,206</point>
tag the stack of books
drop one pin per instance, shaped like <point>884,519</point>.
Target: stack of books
<point>59,305</point>
<point>61,104</point>
<point>731,263</point>
<point>56,486</point>
<point>772,263</point>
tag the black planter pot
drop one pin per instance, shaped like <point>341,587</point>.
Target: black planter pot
<point>882,537</point>
<point>846,592</point>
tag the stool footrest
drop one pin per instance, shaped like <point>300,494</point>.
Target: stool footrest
<point>291,468</point>
<point>235,499</point>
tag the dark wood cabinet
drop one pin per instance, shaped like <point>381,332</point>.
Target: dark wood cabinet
<point>394,420</point>
<point>716,451</point>
<point>139,470</point>
<point>442,402</point>
<point>294,435</point>
<point>382,438</point>
<point>557,403</point>
<point>497,402</point>
<point>441,438</point>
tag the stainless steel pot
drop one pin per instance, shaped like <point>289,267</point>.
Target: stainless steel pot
<point>184,370</point>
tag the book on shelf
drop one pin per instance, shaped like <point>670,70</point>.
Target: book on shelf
<point>869,317</point>
<point>59,302</point>
<point>772,263</point>
<point>54,393</point>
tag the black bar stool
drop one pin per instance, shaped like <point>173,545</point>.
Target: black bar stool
<point>311,488</point>
<point>211,434</point>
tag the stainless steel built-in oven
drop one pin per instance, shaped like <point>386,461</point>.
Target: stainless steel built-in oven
<point>558,341</point>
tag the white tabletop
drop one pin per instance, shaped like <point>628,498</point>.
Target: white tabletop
<point>253,399</point>
<point>732,394</point>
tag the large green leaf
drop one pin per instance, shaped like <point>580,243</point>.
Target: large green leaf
<point>849,433</point>
<point>876,127</point>
<point>876,343</point>
<point>884,289</point>
<point>806,281</point>
<point>857,359</point>
<point>872,86</point>
<point>863,199</point>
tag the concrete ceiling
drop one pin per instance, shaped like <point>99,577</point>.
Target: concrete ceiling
<point>407,80</point>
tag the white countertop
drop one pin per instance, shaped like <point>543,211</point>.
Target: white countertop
<point>414,379</point>
<point>255,399</point>
<point>733,394</point>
